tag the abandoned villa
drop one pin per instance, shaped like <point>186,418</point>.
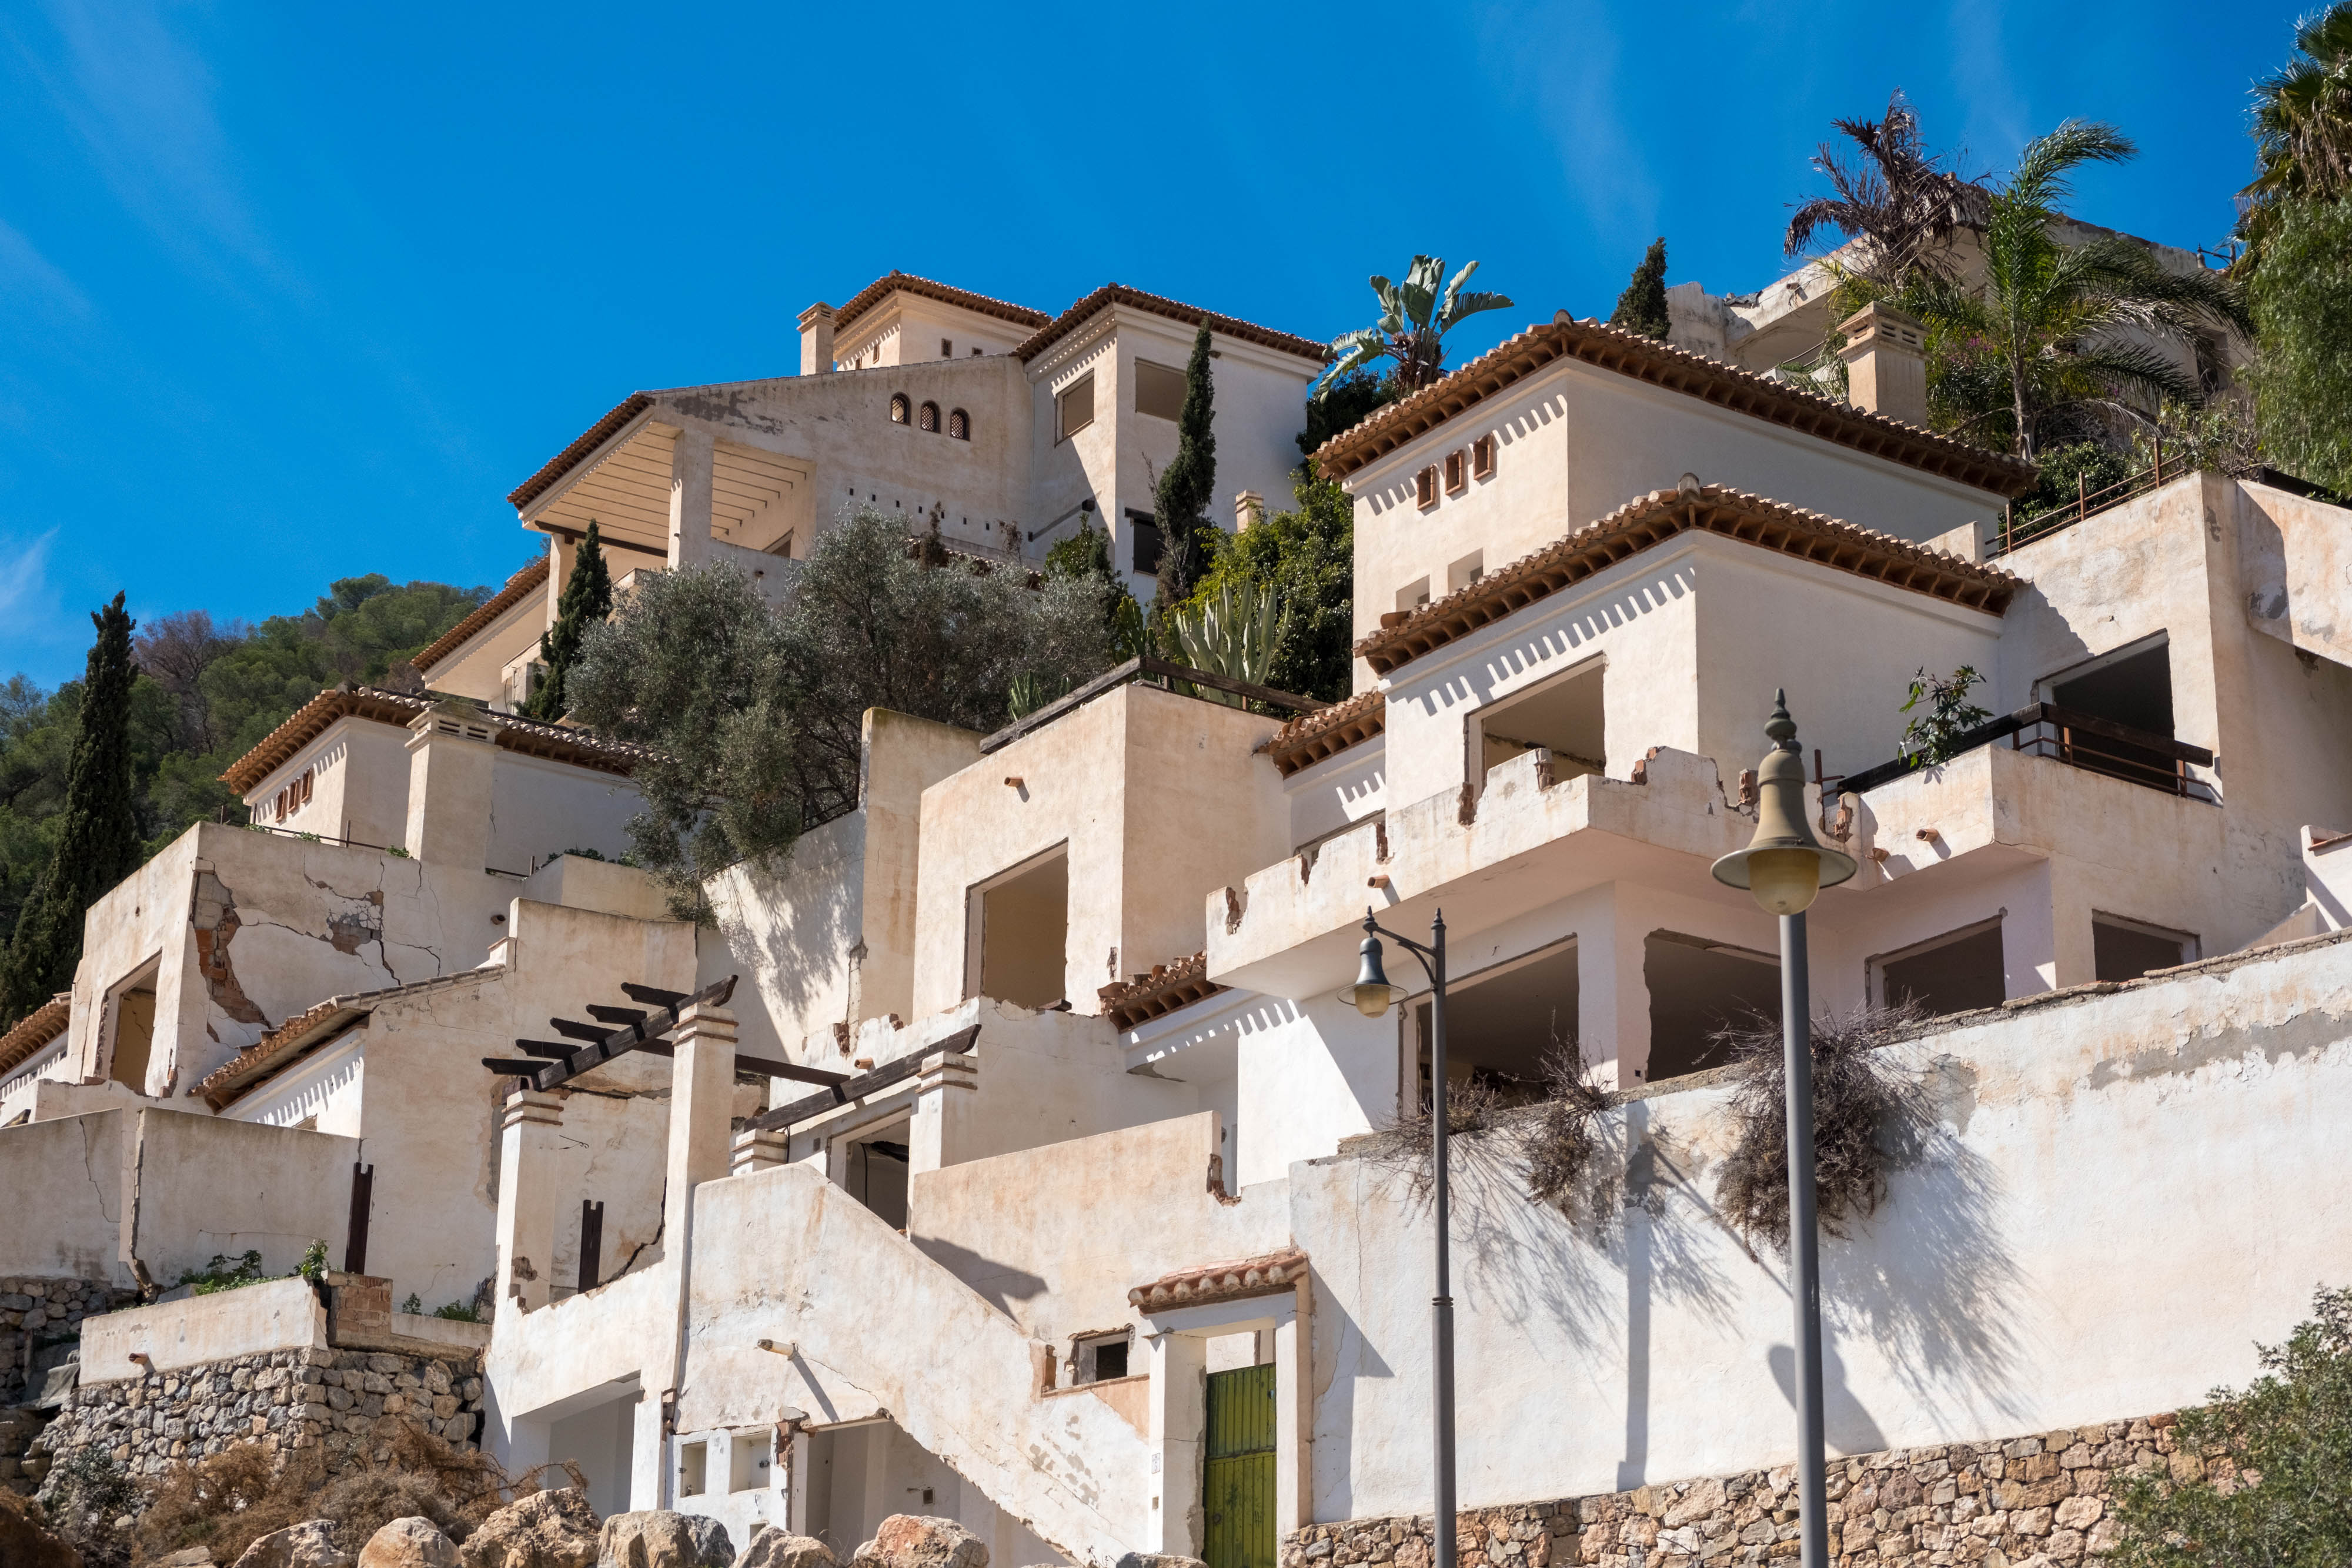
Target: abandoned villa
<point>1005,1151</point>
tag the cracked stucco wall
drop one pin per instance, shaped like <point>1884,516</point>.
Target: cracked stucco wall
<point>64,1180</point>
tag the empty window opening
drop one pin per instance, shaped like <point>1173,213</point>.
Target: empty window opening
<point>975,351</point>
<point>960,425</point>
<point>1424,487</point>
<point>693,1468</point>
<point>1457,472</point>
<point>901,408</point>
<point>947,348</point>
<point>1143,534</point>
<point>134,1007</point>
<point>599,1440</point>
<point>1465,571</point>
<point>1482,458</point>
<point>1098,1358</point>
<point>1503,1025</point>
<point>1955,973</point>
<point>1159,391</point>
<point>1412,595</point>
<point>874,1169</point>
<point>2133,689</point>
<point>1074,407</point>
<point>1562,715</point>
<point>748,1461</point>
<point>1018,930</point>
<point>2124,949</point>
<point>1696,988</point>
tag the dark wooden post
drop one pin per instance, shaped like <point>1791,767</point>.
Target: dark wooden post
<point>592,1243</point>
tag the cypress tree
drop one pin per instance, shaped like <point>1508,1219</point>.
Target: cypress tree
<point>1187,486</point>
<point>98,837</point>
<point>1643,307</point>
<point>587,600</point>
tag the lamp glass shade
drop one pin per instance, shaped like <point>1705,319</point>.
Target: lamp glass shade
<point>1784,881</point>
<point>1371,995</point>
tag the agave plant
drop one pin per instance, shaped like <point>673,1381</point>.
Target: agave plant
<point>1415,316</point>
<point>1231,634</point>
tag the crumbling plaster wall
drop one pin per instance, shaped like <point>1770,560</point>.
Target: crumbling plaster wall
<point>1158,798</point>
<point>1576,442</point>
<point>64,1181</point>
<point>198,1187</point>
<point>1970,1306</point>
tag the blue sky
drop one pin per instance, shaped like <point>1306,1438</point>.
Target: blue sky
<point>289,294</point>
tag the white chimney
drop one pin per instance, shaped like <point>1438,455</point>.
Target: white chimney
<point>816,340</point>
<point>1885,354</point>
<point>1249,508</point>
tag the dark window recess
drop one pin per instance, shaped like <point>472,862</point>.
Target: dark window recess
<point>2121,952</point>
<point>2136,692</point>
<point>1696,987</point>
<point>1956,976</point>
<point>592,1244</point>
<point>1146,535</point>
<point>1502,1028</point>
<point>1110,1360</point>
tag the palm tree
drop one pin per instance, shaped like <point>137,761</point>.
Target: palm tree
<point>2053,338</point>
<point>2303,121</point>
<point>1414,319</point>
<point>1898,198</point>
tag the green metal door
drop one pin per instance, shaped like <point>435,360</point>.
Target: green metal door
<point>1237,1482</point>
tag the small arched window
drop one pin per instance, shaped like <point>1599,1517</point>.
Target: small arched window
<point>901,409</point>
<point>959,425</point>
<point>929,419</point>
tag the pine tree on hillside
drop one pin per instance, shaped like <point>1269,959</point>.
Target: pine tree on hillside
<point>587,600</point>
<point>98,839</point>
<point>1187,486</point>
<point>1643,307</point>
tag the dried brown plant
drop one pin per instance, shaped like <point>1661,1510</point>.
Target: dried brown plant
<point>1562,1143</point>
<point>1866,1119</point>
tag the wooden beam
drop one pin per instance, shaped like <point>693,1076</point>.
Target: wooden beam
<point>546,1075</point>
<point>572,1029</point>
<point>652,996</point>
<point>616,1015</point>
<point>865,1083</point>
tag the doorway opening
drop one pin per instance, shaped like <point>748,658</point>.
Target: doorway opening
<point>873,1168</point>
<point>1237,1474</point>
<point>1696,987</point>
<point>2132,687</point>
<point>132,1011</point>
<point>1503,1024</point>
<point>1017,928</point>
<point>1562,715</point>
<point>2124,949</point>
<point>1957,972</point>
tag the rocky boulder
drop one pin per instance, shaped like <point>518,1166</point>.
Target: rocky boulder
<point>26,1538</point>
<point>773,1548</point>
<point>552,1529</point>
<point>411,1542</point>
<point>909,1541</point>
<point>657,1538</point>
<point>309,1544</point>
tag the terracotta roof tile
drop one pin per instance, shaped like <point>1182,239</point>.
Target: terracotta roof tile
<point>1310,737</point>
<point>1662,514</point>
<point>596,436</point>
<point>307,1029</point>
<point>1111,293</point>
<point>557,743</point>
<point>519,587</point>
<point>35,1030</point>
<point>1168,987</point>
<point>893,281</point>
<point>1261,1275</point>
<point>1677,370</point>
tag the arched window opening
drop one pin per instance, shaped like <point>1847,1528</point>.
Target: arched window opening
<point>959,425</point>
<point>930,419</point>
<point>899,408</point>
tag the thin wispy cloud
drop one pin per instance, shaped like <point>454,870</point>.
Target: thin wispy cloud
<point>26,276</point>
<point>141,99</point>
<point>1571,93</point>
<point>1984,74</point>
<point>27,607</point>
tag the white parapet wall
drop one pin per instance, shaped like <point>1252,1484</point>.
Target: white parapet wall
<point>282,1314</point>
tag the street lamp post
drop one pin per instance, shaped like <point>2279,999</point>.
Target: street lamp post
<point>1784,866</point>
<point>1372,996</point>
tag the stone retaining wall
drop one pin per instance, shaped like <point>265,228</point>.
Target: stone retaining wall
<point>349,1402</point>
<point>39,1312</point>
<point>1990,1503</point>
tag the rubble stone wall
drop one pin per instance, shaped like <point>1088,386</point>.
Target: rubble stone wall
<point>2050,1496</point>
<point>349,1402</point>
<point>37,1312</point>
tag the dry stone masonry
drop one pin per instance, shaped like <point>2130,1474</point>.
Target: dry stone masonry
<point>2048,1499</point>
<point>38,1314</point>
<point>349,1402</point>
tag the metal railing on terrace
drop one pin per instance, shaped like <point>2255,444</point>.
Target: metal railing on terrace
<point>2016,530</point>
<point>2079,739</point>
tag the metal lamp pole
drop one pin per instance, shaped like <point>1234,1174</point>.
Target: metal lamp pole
<point>1372,996</point>
<point>1785,867</point>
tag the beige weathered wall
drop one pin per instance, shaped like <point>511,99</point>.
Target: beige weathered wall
<point>202,1185</point>
<point>65,1184</point>
<point>283,1314</point>
<point>1970,1306</point>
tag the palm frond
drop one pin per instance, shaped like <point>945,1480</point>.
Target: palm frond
<point>2043,176</point>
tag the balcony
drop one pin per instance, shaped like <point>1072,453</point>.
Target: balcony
<point>2078,739</point>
